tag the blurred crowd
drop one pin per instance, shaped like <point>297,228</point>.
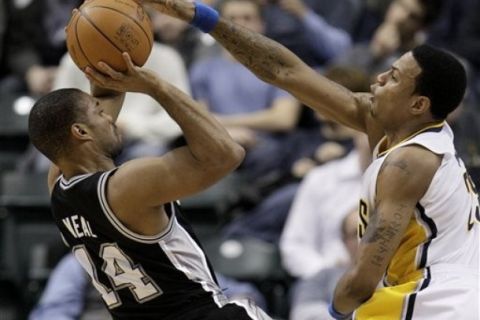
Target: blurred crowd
<point>300,181</point>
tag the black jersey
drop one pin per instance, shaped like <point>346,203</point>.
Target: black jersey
<point>166,276</point>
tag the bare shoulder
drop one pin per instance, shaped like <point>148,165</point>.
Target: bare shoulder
<point>407,172</point>
<point>413,158</point>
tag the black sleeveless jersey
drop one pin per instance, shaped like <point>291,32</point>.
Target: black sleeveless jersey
<point>166,276</point>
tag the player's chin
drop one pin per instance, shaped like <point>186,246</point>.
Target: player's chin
<point>116,150</point>
<point>372,110</point>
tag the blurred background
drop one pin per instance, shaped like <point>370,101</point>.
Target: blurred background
<point>278,230</point>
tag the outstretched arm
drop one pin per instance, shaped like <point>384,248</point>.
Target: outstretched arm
<point>275,64</point>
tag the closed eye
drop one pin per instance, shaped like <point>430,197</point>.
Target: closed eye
<point>392,75</point>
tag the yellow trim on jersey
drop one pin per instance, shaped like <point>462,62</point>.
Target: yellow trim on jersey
<point>387,303</point>
<point>404,262</point>
<point>380,154</point>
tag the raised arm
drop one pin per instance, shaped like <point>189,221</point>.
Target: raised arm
<point>210,153</point>
<point>112,102</point>
<point>403,180</point>
<point>275,64</point>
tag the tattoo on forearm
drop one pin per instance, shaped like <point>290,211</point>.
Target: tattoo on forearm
<point>382,232</point>
<point>263,56</point>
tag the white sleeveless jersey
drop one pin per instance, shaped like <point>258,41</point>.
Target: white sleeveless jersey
<point>444,228</point>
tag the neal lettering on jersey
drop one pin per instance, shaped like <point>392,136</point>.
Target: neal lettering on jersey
<point>78,226</point>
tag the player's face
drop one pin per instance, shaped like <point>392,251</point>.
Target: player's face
<point>245,14</point>
<point>393,91</point>
<point>104,130</point>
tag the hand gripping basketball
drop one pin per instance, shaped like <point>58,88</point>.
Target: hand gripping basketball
<point>134,79</point>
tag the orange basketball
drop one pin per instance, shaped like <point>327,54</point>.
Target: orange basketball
<point>102,29</point>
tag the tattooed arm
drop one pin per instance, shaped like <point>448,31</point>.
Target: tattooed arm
<point>401,183</point>
<point>273,63</point>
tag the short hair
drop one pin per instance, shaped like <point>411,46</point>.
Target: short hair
<point>50,120</point>
<point>443,79</point>
<point>432,10</point>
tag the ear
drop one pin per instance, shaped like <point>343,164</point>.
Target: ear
<point>80,132</point>
<point>420,105</point>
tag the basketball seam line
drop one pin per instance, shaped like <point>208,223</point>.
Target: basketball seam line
<point>126,15</point>
<point>100,31</point>
<point>79,44</point>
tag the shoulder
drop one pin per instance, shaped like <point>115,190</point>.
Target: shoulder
<point>407,172</point>
<point>412,157</point>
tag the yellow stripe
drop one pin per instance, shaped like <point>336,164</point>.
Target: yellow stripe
<point>386,303</point>
<point>403,265</point>
<point>436,125</point>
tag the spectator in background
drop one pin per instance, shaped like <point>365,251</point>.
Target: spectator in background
<point>253,111</point>
<point>34,44</point>
<point>373,12</point>
<point>404,27</point>
<point>190,43</point>
<point>311,239</point>
<point>316,30</point>
<point>312,296</point>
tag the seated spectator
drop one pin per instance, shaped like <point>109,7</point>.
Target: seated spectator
<point>312,295</point>
<point>311,240</point>
<point>191,44</point>
<point>254,112</point>
<point>316,30</point>
<point>34,44</point>
<point>404,27</point>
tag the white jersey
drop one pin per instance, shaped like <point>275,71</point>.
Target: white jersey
<point>444,228</point>
<point>434,273</point>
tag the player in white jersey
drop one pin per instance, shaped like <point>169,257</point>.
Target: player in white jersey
<point>419,229</point>
<point>440,241</point>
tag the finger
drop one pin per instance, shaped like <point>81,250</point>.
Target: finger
<point>109,71</point>
<point>128,61</point>
<point>97,77</point>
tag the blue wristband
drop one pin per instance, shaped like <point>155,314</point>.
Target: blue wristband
<point>335,314</point>
<point>205,18</point>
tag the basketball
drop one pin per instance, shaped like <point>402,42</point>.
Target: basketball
<point>101,30</point>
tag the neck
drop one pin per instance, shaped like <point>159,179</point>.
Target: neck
<point>396,136</point>
<point>81,163</point>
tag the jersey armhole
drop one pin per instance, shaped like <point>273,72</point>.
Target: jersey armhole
<point>117,224</point>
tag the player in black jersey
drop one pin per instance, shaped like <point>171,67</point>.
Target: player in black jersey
<point>122,223</point>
